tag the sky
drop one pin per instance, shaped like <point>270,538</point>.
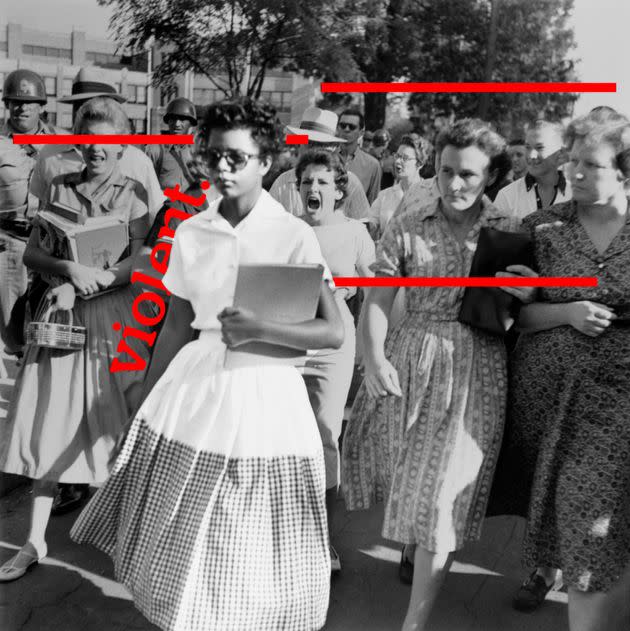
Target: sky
<point>601,29</point>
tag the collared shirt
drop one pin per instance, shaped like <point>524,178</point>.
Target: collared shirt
<point>17,163</point>
<point>118,195</point>
<point>521,198</point>
<point>171,165</point>
<point>385,205</point>
<point>134,163</point>
<point>421,243</point>
<point>285,190</point>
<point>207,251</point>
<point>418,196</point>
<point>368,169</point>
<point>563,248</point>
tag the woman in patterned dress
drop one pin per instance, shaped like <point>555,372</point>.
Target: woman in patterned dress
<point>68,408</point>
<point>426,426</point>
<point>215,511</point>
<point>570,382</point>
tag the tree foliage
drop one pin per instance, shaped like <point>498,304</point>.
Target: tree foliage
<point>364,40</point>
<point>234,42</point>
<point>447,40</point>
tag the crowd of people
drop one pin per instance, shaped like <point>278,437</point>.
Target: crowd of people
<point>217,483</point>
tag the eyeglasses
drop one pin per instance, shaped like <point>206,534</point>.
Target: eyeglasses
<point>404,158</point>
<point>348,126</point>
<point>237,160</point>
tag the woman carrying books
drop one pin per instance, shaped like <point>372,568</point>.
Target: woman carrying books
<point>68,408</point>
<point>349,251</point>
<point>215,510</point>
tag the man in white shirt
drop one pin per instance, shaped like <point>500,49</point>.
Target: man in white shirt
<point>544,183</point>
<point>319,125</point>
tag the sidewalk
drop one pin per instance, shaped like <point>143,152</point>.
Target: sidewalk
<point>73,589</point>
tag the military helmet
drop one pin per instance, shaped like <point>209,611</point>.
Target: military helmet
<point>381,138</point>
<point>24,85</point>
<point>181,107</point>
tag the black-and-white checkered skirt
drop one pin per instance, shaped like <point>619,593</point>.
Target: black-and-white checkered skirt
<point>210,540</point>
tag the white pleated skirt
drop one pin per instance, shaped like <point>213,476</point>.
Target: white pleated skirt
<point>214,513</point>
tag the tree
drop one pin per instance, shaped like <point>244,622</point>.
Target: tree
<point>532,42</point>
<point>234,42</point>
<point>462,40</point>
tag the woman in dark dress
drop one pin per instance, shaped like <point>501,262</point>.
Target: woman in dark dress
<point>570,382</point>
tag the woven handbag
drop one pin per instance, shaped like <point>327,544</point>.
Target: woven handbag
<point>42,332</point>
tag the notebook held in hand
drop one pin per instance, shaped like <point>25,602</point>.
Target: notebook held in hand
<point>281,293</point>
<point>489,308</point>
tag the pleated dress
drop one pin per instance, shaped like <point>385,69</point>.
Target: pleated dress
<point>68,409</point>
<point>430,455</point>
<point>215,513</point>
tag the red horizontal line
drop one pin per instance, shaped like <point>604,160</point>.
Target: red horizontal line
<point>468,87</point>
<point>460,281</point>
<point>103,139</point>
<point>296,139</point>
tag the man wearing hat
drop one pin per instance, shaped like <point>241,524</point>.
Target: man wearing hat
<point>54,160</point>
<point>24,95</point>
<point>171,162</point>
<point>319,125</point>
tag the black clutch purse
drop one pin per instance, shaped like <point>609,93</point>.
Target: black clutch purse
<point>489,308</point>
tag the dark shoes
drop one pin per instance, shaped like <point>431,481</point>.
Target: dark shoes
<point>532,593</point>
<point>405,569</point>
<point>69,497</point>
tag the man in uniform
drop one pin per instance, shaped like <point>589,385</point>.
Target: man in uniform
<point>24,95</point>
<point>171,162</point>
<point>54,160</point>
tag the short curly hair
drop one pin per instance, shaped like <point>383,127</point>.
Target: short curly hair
<point>244,113</point>
<point>595,130</point>
<point>331,162</point>
<point>419,144</point>
<point>473,132</point>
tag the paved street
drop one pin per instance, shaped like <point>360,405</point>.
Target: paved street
<point>73,589</point>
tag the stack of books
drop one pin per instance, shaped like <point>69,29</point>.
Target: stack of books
<point>66,233</point>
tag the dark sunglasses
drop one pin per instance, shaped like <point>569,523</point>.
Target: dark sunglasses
<point>348,126</point>
<point>237,160</point>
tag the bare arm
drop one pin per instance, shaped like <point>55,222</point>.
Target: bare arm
<point>381,378</point>
<point>590,318</point>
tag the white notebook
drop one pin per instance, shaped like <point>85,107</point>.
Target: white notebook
<point>282,293</point>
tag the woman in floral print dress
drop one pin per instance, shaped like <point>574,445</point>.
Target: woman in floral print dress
<point>570,383</point>
<point>425,429</point>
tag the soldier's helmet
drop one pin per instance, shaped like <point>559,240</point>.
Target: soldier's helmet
<point>381,138</point>
<point>24,85</point>
<point>181,107</point>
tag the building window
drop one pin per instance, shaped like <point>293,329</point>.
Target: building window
<point>51,86</point>
<point>66,120</point>
<point>102,59</point>
<point>52,118</point>
<point>66,87</point>
<point>141,94</point>
<point>131,94</point>
<point>140,125</point>
<point>34,50</point>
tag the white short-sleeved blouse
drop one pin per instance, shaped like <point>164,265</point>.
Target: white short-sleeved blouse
<point>207,251</point>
